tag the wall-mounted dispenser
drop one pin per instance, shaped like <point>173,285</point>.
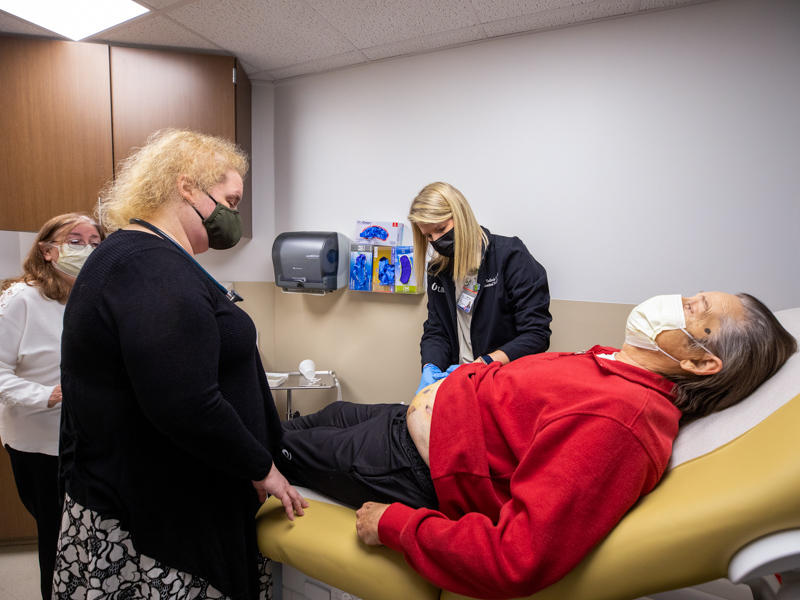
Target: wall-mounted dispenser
<point>311,262</point>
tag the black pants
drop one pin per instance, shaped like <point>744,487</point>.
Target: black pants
<point>355,453</point>
<point>36,476</point>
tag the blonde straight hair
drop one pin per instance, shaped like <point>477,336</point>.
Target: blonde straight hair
<point>436,203</point>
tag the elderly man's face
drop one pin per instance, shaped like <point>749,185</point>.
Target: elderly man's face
<point>703,313</point>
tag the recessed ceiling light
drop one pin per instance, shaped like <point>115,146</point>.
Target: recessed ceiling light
<point>75,19</point>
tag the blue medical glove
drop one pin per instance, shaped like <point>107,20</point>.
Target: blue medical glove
<point>429,376</point>
<point>450,369</point>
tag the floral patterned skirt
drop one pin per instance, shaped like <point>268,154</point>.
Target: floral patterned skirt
<point>96,559</point>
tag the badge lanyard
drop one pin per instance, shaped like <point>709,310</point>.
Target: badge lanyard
<point>231,295</point>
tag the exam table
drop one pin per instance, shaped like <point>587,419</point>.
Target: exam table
<point>729,506</point>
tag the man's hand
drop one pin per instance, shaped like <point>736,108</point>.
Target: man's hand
<point>275,483</point>
<point>367,523</point>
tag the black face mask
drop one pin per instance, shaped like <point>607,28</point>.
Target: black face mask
<point>446,245</point>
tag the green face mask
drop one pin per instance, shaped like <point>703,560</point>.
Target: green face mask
<point>223,225</point>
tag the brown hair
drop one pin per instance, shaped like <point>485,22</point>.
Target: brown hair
<point>752,349</point>
<point>37,271</point>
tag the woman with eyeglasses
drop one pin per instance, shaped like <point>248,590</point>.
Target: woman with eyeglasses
<point>168,425</point>
<point>31,314</point>
<point>488,298</point>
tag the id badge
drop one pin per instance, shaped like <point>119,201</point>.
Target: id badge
<point>468,294</point>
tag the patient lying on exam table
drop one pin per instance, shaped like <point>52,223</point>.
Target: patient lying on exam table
<point>523,468</point>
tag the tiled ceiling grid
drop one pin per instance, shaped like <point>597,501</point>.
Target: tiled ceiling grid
<point>281,39</point>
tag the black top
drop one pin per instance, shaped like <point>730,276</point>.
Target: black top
<point>167,415</point>
<point>510,313</point>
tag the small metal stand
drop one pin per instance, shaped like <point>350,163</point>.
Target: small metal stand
<point>296,381</point>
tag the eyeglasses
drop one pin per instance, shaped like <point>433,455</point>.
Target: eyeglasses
<point>79,245</point>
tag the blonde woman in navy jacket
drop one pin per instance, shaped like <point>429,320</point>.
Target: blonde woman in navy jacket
<point>488,298</point>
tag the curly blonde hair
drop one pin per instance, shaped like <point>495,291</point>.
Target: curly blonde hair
<point>37,271</point>
<point>436,203</point>
<point>148,179</point>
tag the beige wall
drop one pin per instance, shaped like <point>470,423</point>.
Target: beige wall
<point>371,340</point>
<point>580,325</point>
<point>259,303</point>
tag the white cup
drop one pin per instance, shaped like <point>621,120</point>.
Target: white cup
<point>308,369</point>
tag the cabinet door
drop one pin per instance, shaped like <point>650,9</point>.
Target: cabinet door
<point>244,137</point>
<point>153,89</point>
<point>16,525</point>
<point>55,119</point>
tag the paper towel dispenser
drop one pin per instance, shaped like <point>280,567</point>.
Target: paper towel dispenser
<point>312,262</point>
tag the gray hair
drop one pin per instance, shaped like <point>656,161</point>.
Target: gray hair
<point>752,349</point>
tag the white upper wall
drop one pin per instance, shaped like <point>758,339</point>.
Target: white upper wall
<point>10,259</point>
<point>14,247</point>
<point>637,156</point>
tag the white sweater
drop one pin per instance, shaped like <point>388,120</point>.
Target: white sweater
<point>30,368</point>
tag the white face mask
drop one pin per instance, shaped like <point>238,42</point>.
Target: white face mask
<point>651,317</point>
<point>70,261</point>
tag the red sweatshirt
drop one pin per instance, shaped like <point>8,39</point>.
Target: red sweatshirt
<point>534,463</point>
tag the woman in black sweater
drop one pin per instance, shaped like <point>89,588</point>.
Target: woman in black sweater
<point>168,422</point>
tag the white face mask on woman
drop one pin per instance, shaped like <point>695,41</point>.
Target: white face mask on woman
<point>70,261</point>
<point>651,317</point>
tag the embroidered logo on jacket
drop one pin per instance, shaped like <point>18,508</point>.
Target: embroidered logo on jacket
<point>491,281</point>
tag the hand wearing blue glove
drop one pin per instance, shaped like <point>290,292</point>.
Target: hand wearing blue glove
<point>431,374</point>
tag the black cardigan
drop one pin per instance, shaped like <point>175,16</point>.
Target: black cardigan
<point>510,313</point>
<point>167,415</point>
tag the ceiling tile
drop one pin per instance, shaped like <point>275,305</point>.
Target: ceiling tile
<point>248,68</point>
<point>376,22</point>
<point>269,34</point>
<point>559,18</point>
<point>498,10</point>
<point>155,31</point>
<point>424,44</point>
<point>651,4</point>
<point>317,66</point>
<point>11,24</point>
<point>159,4</point>
<point>279,39</point>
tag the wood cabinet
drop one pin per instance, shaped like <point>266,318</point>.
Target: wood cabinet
<point>17,526</point>
<point>153,89</point>
<point>244,137</point>
<point>76,110</point>
<point>55,119</point>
